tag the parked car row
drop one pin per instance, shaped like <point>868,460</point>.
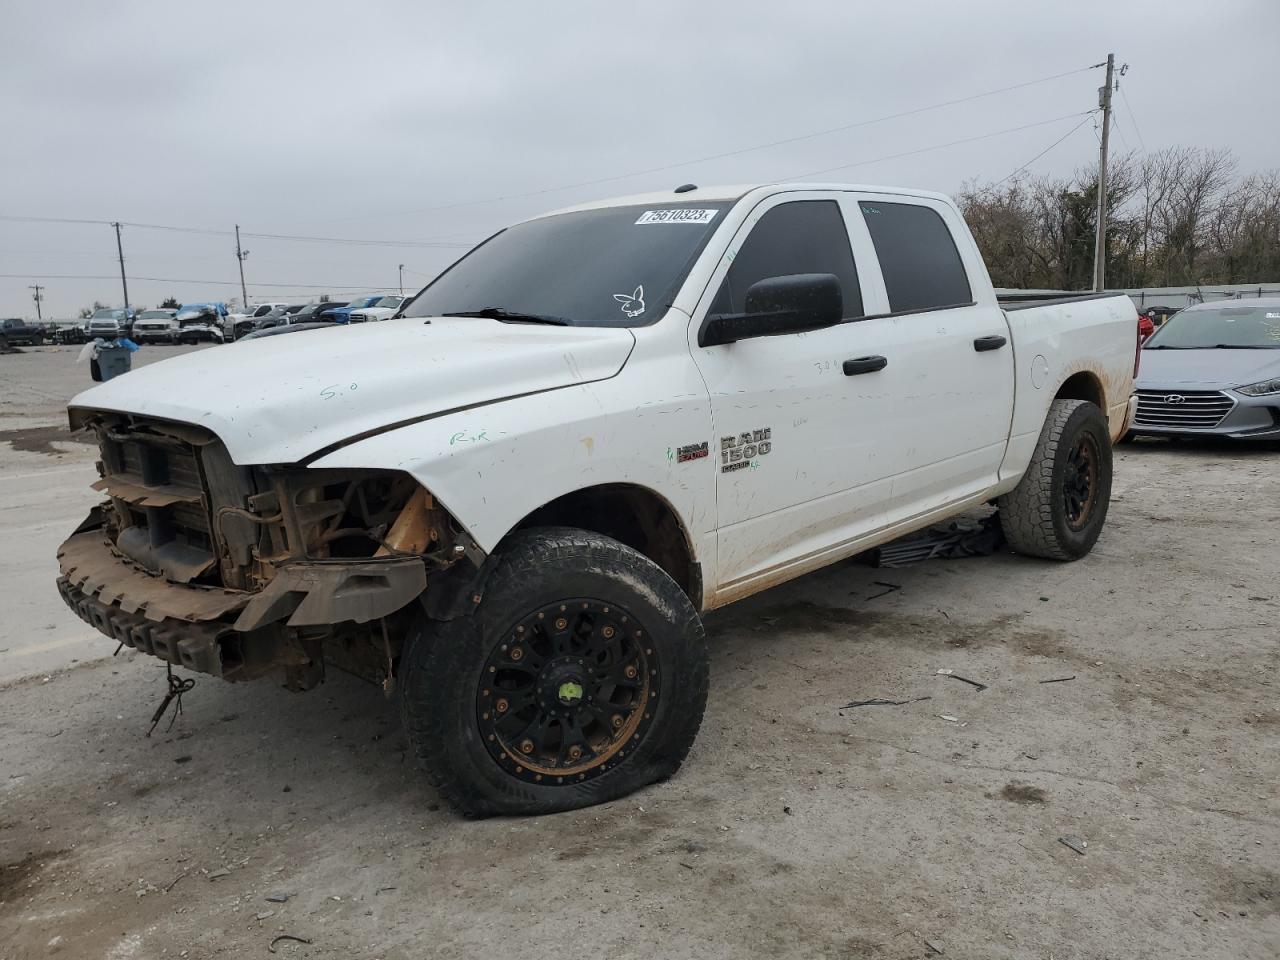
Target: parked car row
<point>202,322</point>
<point>267,316</point>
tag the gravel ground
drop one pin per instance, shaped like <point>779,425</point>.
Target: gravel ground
<point>796,828</point>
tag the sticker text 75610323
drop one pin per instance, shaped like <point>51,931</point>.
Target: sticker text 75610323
<point>677,215</point>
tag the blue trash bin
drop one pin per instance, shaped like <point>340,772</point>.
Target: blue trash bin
<point>111,361</point>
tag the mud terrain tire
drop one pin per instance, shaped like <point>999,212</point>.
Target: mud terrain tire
<point>556,593</point>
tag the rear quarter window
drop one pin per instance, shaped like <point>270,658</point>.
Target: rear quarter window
<point>918,257</point>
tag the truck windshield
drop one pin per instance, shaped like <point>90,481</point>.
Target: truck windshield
<point>1226,327</point>
<point>612,267</point>
<point>154,315</point>
<point>107,314</point>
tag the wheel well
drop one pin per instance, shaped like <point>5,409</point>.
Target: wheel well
<point>632,515</point>
<point>1083,386</point>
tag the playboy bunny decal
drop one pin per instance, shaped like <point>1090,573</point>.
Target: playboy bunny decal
<point>632,303</point>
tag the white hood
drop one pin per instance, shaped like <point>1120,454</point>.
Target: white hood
<point>281,399</point>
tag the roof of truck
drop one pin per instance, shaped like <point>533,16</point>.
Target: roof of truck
<point>736,192</point>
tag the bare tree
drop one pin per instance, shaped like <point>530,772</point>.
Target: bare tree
<point>1178,216</point>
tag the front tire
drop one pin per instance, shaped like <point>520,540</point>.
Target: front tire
<point>1059,507</point>
<point>580,677</point>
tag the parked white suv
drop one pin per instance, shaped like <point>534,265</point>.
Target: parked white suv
<point>512,503</point>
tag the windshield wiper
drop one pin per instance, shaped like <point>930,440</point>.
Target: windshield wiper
<point>1244,346</point>
<point>510,316</point>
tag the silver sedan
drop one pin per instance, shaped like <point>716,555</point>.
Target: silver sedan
<point>1213,370</point>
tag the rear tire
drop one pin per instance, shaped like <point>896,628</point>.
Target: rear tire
<point>580,677</point>
<point>1059,507</point>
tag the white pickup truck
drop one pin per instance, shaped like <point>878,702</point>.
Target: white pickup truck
<point>512,503</point>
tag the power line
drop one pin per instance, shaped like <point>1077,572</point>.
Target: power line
<point>446,244</point>
<point>224,283</point>
<point>939,146</point>
<point>304,239</point>
<point>1115,127</point>
<point>205,231</point>
<point>1132,118</point>
<point>1017,170</point>
<point>434,244</point>
<point>733,153</point>
<point>101,223</point>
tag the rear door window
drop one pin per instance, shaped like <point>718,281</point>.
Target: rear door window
<point>921,266</point>
<point>803,236</point>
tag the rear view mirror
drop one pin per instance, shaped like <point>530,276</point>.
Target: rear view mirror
<point>780,305</point>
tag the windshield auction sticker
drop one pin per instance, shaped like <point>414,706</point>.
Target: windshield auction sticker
<point>678,215</point>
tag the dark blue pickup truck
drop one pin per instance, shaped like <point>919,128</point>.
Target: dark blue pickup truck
<point>14,332</point>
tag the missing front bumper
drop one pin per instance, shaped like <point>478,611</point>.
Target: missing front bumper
<point>231,634</point>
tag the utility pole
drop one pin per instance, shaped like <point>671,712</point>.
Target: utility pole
<point>241,256</point>
<point>124,283</point>
<point>1100,240</point>
<point>402,279</point>
<point>37,298</point>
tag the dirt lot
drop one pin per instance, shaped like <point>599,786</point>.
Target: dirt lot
<point>796,829</point>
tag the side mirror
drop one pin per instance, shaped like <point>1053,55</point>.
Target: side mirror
<point>780,305</point>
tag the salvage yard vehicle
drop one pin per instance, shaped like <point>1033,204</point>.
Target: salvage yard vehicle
<point>71,333</point>
<point>342,314</point>
<point>310,312</point>
<point>510,504</point>
<point>276,330</point>
<point>237,323</point>
<point>156,326</point>
<point>14,332</point>
<point>273,318</point>
<point>200,322</point>
<point>384,308</point>
<point>110,322</point>
<point>1213,369</point>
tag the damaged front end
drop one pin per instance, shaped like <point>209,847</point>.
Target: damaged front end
<point>242,571</point>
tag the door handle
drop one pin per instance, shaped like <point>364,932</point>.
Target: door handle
<point>993,342</point>
<point>864,365</point>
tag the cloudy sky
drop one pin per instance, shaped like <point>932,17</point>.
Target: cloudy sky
<point>424,126</point>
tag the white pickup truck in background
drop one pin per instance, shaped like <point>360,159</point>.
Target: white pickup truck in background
<point>511,502</point>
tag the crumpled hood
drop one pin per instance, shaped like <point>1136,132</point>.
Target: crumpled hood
<point>1213,369</point>
<point>281,399</point>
